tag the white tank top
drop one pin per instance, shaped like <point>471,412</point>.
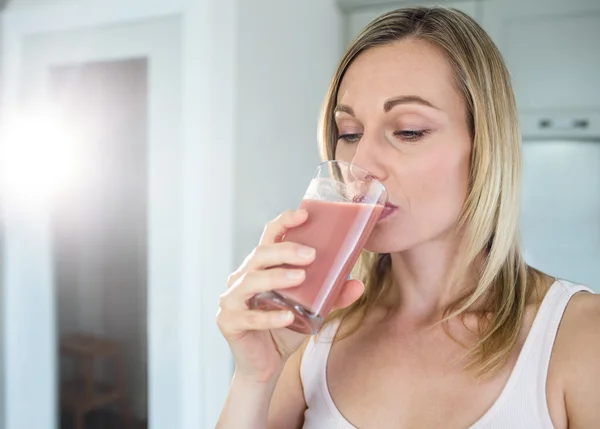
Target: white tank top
<point>521,404</point>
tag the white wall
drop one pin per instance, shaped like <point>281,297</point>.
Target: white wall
<point>27,3</point>
<point>2,6</point>
<point>2,347</point>
<point>287,52</point>
<point>90,301</point>
<point>189,367</point>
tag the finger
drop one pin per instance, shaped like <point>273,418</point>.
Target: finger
<point>276,228</point>
<point>272,234</point>
<point>235,322</point>
<point>255,282</point>
<point>351,291</point>
<point>273,255</point>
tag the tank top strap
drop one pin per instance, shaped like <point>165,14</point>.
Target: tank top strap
<point>522,403</point>
<point>313,366</point>
<point>548,321</point>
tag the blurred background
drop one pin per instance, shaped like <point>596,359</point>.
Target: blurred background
<point>144,144</point>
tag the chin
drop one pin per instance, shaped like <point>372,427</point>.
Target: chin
<point>382,240</point>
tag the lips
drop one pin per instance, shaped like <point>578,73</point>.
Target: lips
<point>388,209</point>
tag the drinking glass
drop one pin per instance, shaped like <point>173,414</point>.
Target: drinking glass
<point>344,202</point>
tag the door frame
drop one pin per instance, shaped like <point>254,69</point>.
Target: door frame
<point>199,373</point>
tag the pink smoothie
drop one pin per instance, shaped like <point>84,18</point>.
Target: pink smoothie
<point>338,231</point>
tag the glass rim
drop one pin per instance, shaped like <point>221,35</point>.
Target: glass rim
<point>353,167</point>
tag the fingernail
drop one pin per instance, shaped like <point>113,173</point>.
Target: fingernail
<point>286,316</point>
<point>306,252</point>
<point>301,212</point>
<point>294,274</point>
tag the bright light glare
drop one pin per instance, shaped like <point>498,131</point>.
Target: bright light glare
<point>38,157</point>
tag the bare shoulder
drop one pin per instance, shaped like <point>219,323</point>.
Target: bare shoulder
<point>581,324</point>
<point>576,360</point>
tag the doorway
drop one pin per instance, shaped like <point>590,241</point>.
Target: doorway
<point>99,230</point>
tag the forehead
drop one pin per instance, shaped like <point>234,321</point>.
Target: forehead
<point>408,67</point>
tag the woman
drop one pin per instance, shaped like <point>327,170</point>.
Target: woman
<point>447,326</point>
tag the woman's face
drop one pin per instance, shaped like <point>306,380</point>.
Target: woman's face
<point>400,116</point>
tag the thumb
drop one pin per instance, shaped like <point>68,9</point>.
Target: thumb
<point>351,291</point>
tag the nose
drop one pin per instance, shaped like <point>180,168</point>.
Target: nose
<point>369,155</point>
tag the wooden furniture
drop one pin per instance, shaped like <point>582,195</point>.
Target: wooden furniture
<point>84,393</point>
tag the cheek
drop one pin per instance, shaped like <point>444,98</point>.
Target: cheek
<point>435,188</point>
<point>344,152</point>
<point>442,187</point>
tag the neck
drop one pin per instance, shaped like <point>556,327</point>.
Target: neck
<point>427,279</point>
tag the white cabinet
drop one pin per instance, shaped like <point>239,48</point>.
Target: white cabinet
<point>552,48</point>
<point>359,13</point>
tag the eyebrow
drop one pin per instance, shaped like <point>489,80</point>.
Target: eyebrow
<point>407,99</point>
<point>342,108</point>
<point>390,104</point>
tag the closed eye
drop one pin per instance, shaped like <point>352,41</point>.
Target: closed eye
<point>411,135</point>
<point>350,138</point>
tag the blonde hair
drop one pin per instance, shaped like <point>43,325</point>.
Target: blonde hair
<point>490,214</point>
